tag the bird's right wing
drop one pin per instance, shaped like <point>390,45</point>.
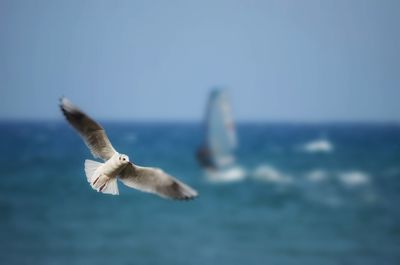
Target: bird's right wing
<point>92,133</point>
<point>156,181</point>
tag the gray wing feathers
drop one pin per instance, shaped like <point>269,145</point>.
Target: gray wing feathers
<point>156,181</point>
<point>91,132</point>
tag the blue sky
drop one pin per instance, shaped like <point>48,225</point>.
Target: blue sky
<point>157,60</point>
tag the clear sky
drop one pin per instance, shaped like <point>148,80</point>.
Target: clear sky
<point>157,60</point>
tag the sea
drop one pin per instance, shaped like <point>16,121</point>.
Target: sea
<point>313,194</point>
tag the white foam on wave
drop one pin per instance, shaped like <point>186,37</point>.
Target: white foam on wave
<point>270,174</point>
<point>233,174</point>
<point>317,175</point>
<point>318,146</point>
<point>354,178</point>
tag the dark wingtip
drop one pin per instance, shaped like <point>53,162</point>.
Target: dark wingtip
<point>62,107</point>
<point>187,197</point>
<point>61,103</point>
<point>67,107</point>
<point>61,100</point>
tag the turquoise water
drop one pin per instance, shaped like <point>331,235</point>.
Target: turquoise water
<point>340,206</point>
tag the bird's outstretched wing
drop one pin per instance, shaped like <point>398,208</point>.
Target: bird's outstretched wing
<point>156,181</point>
<point>92,133</point>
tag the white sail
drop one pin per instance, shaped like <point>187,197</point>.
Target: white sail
<point>221,135</point>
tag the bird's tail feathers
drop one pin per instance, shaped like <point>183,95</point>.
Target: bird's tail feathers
<point>101,183</point>
<point>90,168</point>
<point>110,187</point>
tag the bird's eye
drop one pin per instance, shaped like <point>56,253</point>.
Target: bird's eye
<point>123,159</point>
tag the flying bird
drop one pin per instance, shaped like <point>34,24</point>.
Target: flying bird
<point>103,176</point>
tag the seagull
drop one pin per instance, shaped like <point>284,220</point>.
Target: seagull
<point>103,177</point>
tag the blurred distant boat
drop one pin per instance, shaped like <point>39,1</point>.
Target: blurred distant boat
<point>216,155</point>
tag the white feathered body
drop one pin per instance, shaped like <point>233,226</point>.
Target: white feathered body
<point>103,176</point>
<point>113,166</point>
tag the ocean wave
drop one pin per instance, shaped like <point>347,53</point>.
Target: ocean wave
<point>354,178</point>
<point>233,174</point>
<point>318,146</point>
<point>317,175</point>
<point>270,174</point>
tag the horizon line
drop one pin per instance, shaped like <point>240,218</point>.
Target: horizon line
<point>194,121</point>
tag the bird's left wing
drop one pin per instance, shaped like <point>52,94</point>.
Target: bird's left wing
<point>92,133</point>
<point>156,181</point>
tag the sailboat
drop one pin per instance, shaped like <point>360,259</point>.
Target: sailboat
<point>216,154</point>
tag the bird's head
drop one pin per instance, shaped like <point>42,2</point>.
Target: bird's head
<point>124,159</point>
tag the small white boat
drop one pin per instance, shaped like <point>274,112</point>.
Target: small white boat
<point>216,155</point>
